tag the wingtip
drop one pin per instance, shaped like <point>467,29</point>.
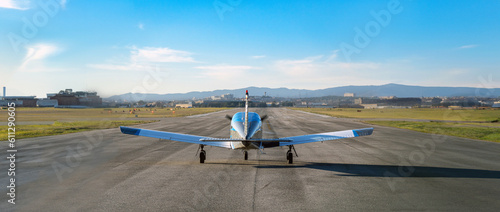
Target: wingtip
<point>130,131</point>
<point>363,132</point>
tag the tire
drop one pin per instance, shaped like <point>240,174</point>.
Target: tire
<point>202,156</point>
<point>290,158</point>
<point>246,155</point>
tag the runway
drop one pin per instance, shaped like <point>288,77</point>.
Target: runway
<point>394,169</point>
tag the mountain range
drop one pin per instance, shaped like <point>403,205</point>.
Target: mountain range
<point>360,91</point>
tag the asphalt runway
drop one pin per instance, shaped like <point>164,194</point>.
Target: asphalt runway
<point>394,169</point>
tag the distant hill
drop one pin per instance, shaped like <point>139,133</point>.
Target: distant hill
<point>361,91</point>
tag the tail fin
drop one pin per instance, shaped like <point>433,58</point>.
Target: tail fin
<point>246,113</point>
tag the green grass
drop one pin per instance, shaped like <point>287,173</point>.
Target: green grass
<point>96,114</point>
<point>445,128</point>
<point>471,128</point>
<point>69,120</point>
<point>30,131</point>
<point>417,113</point>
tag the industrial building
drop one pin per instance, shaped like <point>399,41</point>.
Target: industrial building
<point>81,98</point>
<point>63,98</point>
<point>20,101</point>
<point>47,103</point>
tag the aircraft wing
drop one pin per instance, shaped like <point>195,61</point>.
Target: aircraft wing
<point>326,136</point>
<point>174,136</point>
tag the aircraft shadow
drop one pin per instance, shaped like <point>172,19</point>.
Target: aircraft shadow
<point>364,170</point>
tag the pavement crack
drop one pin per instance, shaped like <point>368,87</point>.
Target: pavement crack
<point>255,182</point>
<point>265,186</point>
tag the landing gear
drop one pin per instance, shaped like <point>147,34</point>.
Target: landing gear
<point>203,154</point>
<point>289,154</point>
<point>246,155</point>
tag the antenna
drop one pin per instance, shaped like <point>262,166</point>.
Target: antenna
<point>246,113</point>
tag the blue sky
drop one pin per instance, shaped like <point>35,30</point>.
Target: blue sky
<point>179,46</point>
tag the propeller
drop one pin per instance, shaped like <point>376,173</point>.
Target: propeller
<point>264,117</point>
<point>229,117</point>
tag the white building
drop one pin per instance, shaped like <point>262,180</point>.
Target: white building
<point>188,105</point>
<point>349,95</point>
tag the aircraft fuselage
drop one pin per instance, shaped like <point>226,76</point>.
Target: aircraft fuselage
<point>254,130</point>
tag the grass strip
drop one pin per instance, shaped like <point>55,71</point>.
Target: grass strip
<point>25,114</point>
<point>413,113</point>
<point>445,128</point>
<point>58,128</point>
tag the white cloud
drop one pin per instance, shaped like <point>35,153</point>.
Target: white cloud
<point>468,46</point>
<point>333,56</point>
<point>299,67</point>
<point>225,72</point>
<point>115,67</point>
<point>42,69</point>
<point>24,4</point>
<point>258,56</point>
<point>37,53</point>
<point>17,5</point>
<point>40,51</point>
<point>141,26</point>
<point>160,55</point>
<point>315,66</point>
<point>323,71</point>
<point>456,72</point>
<point>123,67</point>
<point>226,67</point>
<point>147,57</point>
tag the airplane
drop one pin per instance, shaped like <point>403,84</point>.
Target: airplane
<point>246,134</point>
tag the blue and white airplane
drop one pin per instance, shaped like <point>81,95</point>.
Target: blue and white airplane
<point>246,134</point>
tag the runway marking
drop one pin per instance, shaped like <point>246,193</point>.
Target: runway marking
<point>255,184</point>
<point>206,114</point>
<point>324,116</point>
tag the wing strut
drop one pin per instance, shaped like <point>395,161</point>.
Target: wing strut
<point>293,147</point>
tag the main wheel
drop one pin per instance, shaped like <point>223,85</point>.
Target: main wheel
<point>202,156</point>
<point>290,157</point>
<point>246,155</point>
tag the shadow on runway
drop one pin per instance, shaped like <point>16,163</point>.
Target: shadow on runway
<point>364,170</point>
